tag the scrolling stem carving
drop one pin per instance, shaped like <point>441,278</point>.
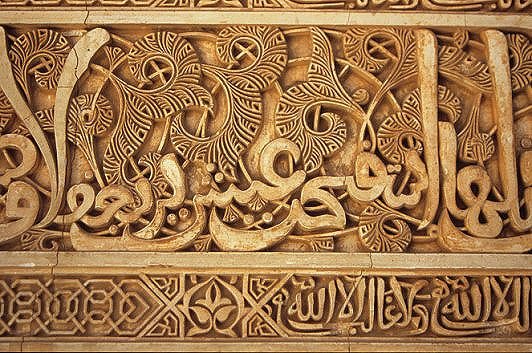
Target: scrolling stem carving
<point>248,138</point>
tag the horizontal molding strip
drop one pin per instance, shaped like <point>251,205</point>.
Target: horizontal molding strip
<point>396,263</point>
<point>98,17</point>
<point>459,345</point>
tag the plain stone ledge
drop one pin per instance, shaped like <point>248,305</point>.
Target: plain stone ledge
<point>102,17</point>
<point>362,262</point>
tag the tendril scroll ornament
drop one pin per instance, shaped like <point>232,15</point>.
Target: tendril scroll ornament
<point>250,138</point>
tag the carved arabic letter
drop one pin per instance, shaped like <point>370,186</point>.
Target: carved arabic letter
<point>109,200</point>
<point>84,241</point>
<point>451,238</point>
<point>268,156</point>
<point>456,241</point>
<point>11,91</point>
<point>478,203</point>
<point>447,151</point>
<point>499,64</point>
<point>29,157</point>
<point>312,191</point>
<point>282,186</point>
<point>22,203</point>
<point>231,239</point>
<point>86,192</point>
<point>417,168</point>
<point>175,176</point>
<point>428,84</point>
<point>370,180</point>
<point>128,241</point>
<point>76,64</point>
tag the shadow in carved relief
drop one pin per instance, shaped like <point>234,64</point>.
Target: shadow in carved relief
<point>248,138</point>
<point>275,306</point>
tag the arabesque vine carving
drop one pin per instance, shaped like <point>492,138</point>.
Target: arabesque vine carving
<point>246,138</point>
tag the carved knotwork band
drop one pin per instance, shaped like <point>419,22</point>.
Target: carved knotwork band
<point>291,305</point>
<point>169,303</point>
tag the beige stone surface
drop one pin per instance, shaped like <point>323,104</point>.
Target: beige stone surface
<point>261,137</point>
<point>245,175</point>
<point>407,302</point>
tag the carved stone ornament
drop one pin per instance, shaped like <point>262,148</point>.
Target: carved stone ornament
<point>177,179</point>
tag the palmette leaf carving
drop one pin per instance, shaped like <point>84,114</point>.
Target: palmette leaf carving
<point>88,117</point>
<point>521,56</point>
<point>7,113</point>
<point>182,65</point>
<point>373,49</point>
<point>376,49</point>
<point>381,229</point>
<point>248,138</point>
<point>40,53</point>
<point>458,65</point>
<point>169,71</point>
<point>402,131</point>
<point>265,48</point>
<point>322,89</point>
<point>474,146</point>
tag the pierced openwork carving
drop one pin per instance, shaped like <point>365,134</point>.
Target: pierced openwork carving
<point>246,138</point>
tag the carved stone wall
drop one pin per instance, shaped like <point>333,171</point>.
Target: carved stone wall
<point>143,150</point>
<point>287,302</point>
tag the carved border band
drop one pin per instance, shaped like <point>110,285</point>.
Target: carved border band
<point>483,6</point>
<point>74,297</point>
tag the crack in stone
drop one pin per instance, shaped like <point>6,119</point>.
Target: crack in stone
<point>87,11</point>
<point>77,62</point>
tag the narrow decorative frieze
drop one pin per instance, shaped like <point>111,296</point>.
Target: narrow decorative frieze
<point>125,299</point>
<point>484,6</point>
